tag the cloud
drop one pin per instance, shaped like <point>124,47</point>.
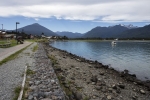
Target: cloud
<point>43,2</point>
<point>37,19</point>
<point>92,10</point>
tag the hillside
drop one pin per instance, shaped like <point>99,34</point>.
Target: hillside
<point>69,34</point>
<point>142,32</point>
<point>37,29</point>
<point>105,32</point>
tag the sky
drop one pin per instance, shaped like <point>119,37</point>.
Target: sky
<point>73,15</point>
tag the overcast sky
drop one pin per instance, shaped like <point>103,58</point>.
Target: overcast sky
<point>69,15</point>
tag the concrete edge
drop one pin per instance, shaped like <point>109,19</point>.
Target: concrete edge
<point>23,84</point>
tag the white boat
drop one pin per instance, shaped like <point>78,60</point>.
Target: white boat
<point>113,42</point>
<point>116,39</point>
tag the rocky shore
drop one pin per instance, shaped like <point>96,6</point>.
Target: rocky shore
<point>82,79</point>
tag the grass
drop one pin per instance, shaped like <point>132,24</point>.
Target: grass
<point>26,89</point>
<point>13,56</point>
<point>53,59</point>
<point>17,92</point>
<point>29,72</point>
<point>35,48</point>
<point>86,98</point>
<point>13,42</point>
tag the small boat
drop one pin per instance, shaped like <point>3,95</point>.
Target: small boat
<point>113,42</point>
<point>116,39</point>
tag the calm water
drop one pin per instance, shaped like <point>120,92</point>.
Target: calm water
<point>131,55</point>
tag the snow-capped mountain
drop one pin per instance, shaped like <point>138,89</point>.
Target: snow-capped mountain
<point>130,26</point>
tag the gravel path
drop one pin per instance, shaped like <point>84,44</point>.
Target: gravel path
<point>5,52</point>
<point>1,50</point>
<point>11,73</point>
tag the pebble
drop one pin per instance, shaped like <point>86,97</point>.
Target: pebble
<point>114,86</point>
<point>142,91</point>
<point>93,83</point>
<point>109,97</point>
<point>134,97</point>
<point>30,97</point>
<point>98,87</point>
<point>94,96</point>
<point>78,96</point>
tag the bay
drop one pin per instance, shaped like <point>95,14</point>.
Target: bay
<point>131,55</point>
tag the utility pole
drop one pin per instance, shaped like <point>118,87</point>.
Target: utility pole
<point>16,28</point>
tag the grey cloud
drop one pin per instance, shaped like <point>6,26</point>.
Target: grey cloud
<point>41,2</point>
<point>110,10</point>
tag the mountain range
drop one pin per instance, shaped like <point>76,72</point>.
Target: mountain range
<point>105,32</point>
<point>117,31</point>
<point>142,32</point>
<point>69,34</point>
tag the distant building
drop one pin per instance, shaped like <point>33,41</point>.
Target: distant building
<point>4,34</point>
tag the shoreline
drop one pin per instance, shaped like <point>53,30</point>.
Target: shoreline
<point>137,68</point>
<point>99,73</point>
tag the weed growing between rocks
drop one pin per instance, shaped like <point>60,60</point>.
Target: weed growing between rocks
<point>53,59</point>
<point>35,48</point>
<point>64,85</point>
<point>86,98</point>
<point>30,72</point>
<point>26,87</point>
<point>17,92</point>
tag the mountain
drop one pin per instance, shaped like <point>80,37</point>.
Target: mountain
<point>37,29</point>
<point>69,34</point>
<point>130,26</point>
<point>105,32</point>
<point>142,32</point>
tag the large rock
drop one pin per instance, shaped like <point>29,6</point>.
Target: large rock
<point>122,86</point>
<point>94,78</point>
<point>78,96</point>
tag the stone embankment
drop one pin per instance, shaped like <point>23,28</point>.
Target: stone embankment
<point>83,79</point>
<point>43,84</point>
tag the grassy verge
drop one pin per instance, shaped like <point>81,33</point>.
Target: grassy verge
<point>17,92</point>
<point>35,48</point>
<point>12,42</point>
<point>13,56</point>
<point>26,87</point>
